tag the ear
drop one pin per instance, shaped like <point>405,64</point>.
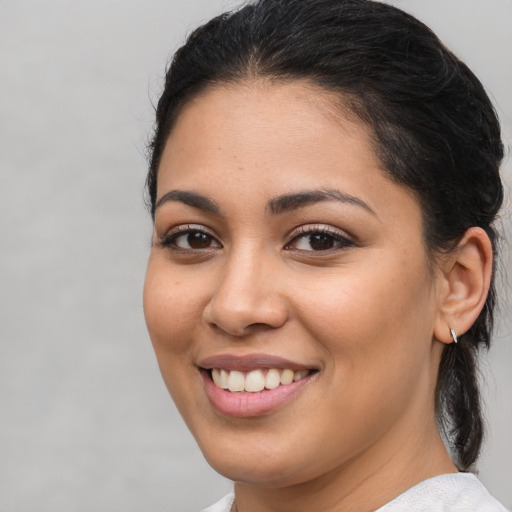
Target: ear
<point>465,277</point>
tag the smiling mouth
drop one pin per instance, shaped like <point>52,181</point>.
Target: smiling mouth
<point>255,381</point>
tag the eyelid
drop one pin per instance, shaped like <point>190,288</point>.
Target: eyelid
<point>306,229</point>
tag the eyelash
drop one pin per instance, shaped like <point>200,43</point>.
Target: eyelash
<point>339,242</point>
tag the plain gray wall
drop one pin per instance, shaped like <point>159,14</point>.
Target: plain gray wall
<point>86,424</point>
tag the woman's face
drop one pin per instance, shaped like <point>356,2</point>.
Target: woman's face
<point>285,259</point>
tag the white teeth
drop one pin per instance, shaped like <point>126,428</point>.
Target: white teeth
<point>223,379</point>
<point>236,381</point>
<point>287,377</point>
<point>255,380</point>
<point>300,375</point>
<point>272,379</point>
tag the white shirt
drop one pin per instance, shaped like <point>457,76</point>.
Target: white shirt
<point>457,492</point>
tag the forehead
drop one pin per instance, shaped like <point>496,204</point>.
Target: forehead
<point>259,140</point>
<point>285,121</point>
<point>267,99</point>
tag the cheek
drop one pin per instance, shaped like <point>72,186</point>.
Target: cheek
<point>378,364</point>
<point>170,308</point>
<point>372,316</point>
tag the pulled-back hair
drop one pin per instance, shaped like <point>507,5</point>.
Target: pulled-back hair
<point>433,125</point>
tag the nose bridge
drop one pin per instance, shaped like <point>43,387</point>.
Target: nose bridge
<point>247,292</point>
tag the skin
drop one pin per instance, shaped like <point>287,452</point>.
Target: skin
<point>369,314</point>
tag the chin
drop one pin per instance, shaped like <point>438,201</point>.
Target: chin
<point>257,472</point>
<point>272,464</point>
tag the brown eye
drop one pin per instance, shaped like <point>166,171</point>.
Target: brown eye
<point>195,240</point>
<point>318,240</point>
<point>198,240</point>
<point>321,242</point>
<point>190,239</point>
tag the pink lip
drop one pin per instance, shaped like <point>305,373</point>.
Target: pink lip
<point>245,404</point>
<point>246,363</point>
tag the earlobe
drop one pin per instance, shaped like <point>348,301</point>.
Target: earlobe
<point>466,276</point>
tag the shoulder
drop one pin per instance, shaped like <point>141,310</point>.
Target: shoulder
<point>458,492</point>
<point>224,505</point>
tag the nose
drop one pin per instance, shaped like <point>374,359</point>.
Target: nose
<point>247,297</point>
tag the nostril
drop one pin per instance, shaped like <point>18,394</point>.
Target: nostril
<point>238,307</point>
<point>240,331</point>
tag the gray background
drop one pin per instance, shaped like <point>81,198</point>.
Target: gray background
<point>85,421</point>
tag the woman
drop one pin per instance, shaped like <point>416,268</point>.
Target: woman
<point>323,182</point>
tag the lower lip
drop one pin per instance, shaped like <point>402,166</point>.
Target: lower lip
<point>244,404</point>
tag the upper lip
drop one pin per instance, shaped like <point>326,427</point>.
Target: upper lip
<point>250,362</point>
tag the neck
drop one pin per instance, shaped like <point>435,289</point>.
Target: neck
<point>362,484</point>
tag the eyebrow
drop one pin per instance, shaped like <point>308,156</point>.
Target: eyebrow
<point>288,202</point>
<point>276,206</point>
<point>191,199</point>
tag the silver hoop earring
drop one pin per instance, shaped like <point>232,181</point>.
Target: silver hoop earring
<point>454,335</point>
